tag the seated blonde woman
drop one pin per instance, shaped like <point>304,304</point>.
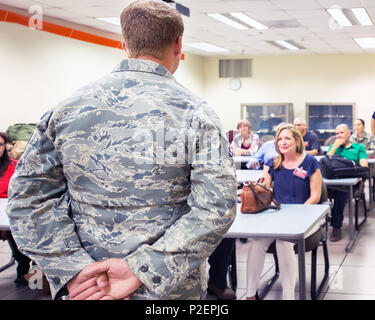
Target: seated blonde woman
<point>246,142</point>
<point>296,179</point>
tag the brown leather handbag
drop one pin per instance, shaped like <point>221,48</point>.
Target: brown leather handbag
<point>255,198</point>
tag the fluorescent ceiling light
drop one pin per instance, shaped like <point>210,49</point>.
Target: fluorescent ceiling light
<point>286,45</point>
<point>366,42</point>
<point>340,17</point>
<point>114,20</point>
<point>250,21</point>
<point>362,16</point>
<point>228,21</point>
<point>206,47</point>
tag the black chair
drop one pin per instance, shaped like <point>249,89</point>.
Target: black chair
<point>319,238</point>
<point>232,269</point>
<point>330,140</point>
<point>265,139</point>
<point>358,195</point>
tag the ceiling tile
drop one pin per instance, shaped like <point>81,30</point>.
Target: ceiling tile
<point>313,27</point>
<point>340,3</point>
<point>96,11</point>
<point>254,6</point>
<point>21,4</point>
<point>309,14</point>
<point>61,14</point>
<point>295,4</point>
<point>268,15</point>
<point>369,3</point>
<point>314,22</point>
<point>84,3</point>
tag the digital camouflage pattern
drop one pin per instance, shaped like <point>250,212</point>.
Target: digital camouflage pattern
<point>133,166</point>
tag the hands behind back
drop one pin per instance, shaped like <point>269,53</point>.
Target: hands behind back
<point>111,279</point>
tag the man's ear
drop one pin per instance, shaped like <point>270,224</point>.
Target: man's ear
<point>124,46</point>
<point>178,45</point>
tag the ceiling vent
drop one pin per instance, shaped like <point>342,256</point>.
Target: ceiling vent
<point>235,68</point>
<point>283,24</point>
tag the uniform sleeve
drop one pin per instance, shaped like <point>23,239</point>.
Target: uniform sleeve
<point>162,266</point>
<point>372,143</point>
<point>38,209</point>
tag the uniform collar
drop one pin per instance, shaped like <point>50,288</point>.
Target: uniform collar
<point>360,139</point>
<point>142,65</point>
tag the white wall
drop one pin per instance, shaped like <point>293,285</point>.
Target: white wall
<point>296,79</point>
<point>38,69</point>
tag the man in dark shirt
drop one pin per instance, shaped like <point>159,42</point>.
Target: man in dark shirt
<point>312,144</point>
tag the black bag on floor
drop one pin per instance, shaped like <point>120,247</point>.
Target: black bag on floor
<point>334,167</point>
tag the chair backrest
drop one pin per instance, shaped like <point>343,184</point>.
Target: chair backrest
<point>330,140</point>
<point>324,193</point>
<point>231,134</point>
<point>265,138</point>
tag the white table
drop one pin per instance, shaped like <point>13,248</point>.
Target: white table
<point>292,222</point>
<point>371,164</point>
<point>239,159</point>
<point>4,222</point>
<point>324,148</point>
<point>346,184</point>
<point>248,175</point>
<point>4,225</point>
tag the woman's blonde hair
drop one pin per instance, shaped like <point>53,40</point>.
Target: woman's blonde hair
<point>297,137</point>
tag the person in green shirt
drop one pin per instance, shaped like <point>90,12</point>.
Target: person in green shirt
<point>352,151</point>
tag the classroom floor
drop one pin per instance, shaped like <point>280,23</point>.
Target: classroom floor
<point>351,276</point>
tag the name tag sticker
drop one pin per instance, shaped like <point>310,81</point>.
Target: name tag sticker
<point>299,172</point>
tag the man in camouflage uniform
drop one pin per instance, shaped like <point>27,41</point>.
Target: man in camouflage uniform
<point>126,188</point>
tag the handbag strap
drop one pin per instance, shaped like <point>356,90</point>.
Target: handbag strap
<point>276,204</point>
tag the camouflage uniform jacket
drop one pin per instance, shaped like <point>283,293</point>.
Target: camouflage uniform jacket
<point>368,141</point>
<point>106,175</point>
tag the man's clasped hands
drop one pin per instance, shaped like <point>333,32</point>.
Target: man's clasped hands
<point>111,279</point>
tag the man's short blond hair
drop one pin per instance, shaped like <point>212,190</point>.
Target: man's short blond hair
<point>150,27</point>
